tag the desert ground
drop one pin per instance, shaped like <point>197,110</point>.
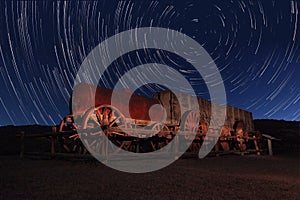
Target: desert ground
<point>224,177</point>
<point>230,176</point>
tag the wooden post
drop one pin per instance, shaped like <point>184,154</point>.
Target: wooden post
<point>54,129</point>
<point>176,147</point>
<point>105,137</point>
<point>53,139</point>
<point>137,150</point>
<point>256,145</point>
<point>22,144</point>
<point>217,148</point>
<point>242,151</point>
<point>270,147</point>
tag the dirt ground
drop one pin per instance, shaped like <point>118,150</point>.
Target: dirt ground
<point>224,177</point>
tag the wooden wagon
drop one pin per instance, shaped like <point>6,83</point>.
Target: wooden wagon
<point>133,128</point>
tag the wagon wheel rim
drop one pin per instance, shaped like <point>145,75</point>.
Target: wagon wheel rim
<point>119,120</point>
<point>93,139</point>
<point>158,128</point>
<point>188,124</point>
<point>161,130</point>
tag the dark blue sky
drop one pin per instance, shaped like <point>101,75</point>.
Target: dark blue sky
<point>255,45</point>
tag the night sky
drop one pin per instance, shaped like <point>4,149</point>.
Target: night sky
<point>254,43</point>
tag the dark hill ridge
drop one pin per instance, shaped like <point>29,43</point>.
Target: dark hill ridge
<point>287,131</point>
<point>279,128</point>
<point>7,130</point>
<point>10,143</point>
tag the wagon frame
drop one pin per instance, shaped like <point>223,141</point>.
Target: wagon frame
<point>132,133</point>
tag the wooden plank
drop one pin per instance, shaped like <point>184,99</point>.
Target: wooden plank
<point>256,146</point>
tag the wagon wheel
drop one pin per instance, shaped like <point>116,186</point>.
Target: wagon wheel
<point>162,128</point>
<point>190,124</point>
<point>92,116</point>
<point>94,137</point>
<point>162,131</point>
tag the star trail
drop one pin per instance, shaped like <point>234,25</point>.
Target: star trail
<point>254,43</point>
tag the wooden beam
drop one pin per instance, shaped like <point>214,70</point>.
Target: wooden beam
<point>256,145</point>
<point>270,147</point>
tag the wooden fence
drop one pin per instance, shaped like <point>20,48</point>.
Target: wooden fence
<point>53,136</point>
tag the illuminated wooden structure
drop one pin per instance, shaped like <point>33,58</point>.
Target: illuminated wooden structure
<point>133,125</point>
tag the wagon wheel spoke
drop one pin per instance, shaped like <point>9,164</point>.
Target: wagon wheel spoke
<point>114,116</point>
<point>190,123</point>
<point>95,121</point>
<point>94,145</point>
<point>161,130</point>
<point>114,121</point>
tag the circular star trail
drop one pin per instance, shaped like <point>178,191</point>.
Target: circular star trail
<point>255,45</point>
